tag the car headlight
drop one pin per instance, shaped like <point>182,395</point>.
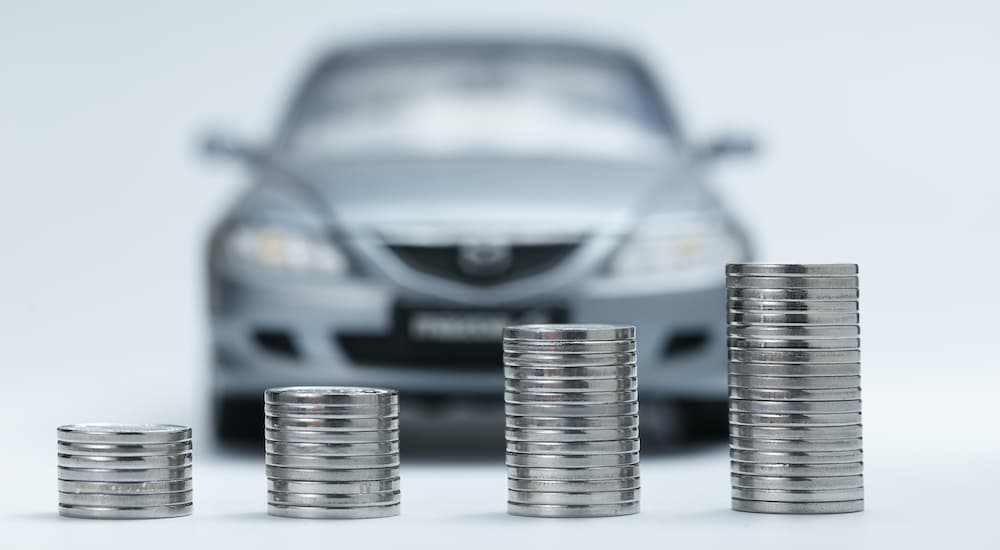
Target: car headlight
<point>660,247</point>
<point>284,249</point>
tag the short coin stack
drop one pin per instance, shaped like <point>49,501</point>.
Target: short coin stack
<point>572,420</point>
<point>332,453</point>
<point>795,388</point>
<point>118,471</point>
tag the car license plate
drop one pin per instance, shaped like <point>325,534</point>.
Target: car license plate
<point>470,325</point>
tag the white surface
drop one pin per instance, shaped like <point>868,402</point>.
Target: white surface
<point>881,124</point>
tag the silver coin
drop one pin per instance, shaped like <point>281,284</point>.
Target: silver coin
<point>794,382</point>
<point>333,462</point>
<point>299,423</point>
<point>324,411</point>
<point>836,294</point>
<point>572,409</point>
<point>788,332</point>
<point>788,445</point>
<point>819,495</point>
<point>795,420</point>
<point>803,432</point>
<point>574,447</point>
<point>797,483</point>
<point>569,373</point>
<point>333,487</point>
<point>331,475</point>
<point>125,500</point>
<point>571,397</point>
<point>569,332</point>
<point>801,343</point>
<point>146,512</point>
<point>573,499</point>
<point>574,347</point>
<point>794,356</point>
<point>522,434</point>
<point>574,474</point>
<point>560,511</point>
<point>798,470</point>
<point>797,457</point>
<point>104,449</point>
<point>794,407</point>
<point>123,433</point>
<point>795,369</point>
<point>589,486</point>
<point>788,270</point>
<point>573,423</point>
<point>123,462</point>
<point>314,512</point>
<point>306,436</point>
<point>566,360</point>
<point>753,281</point>
<point>764,507</point>
<point>328,500</point>
<point>125,487</point>
<point>744,305</point>
<point>571,461</point>
<point>821,318</point>
<point>331,449</point>
<point>571,386</point>
<point>767,394</point>
<point>124,476</point>
<point>332,395</point>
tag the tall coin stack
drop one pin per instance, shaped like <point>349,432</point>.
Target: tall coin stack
<point>795,388</point>
<point>118,471</point>
<point>572,420</point>
<point>332,453</point>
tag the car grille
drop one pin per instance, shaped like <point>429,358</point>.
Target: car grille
<point>445,262</point>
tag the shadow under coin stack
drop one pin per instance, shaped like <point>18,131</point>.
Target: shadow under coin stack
<point>572,420</point>
<point>117,471</point>
<point>332,453</point>
<point>795,388</point>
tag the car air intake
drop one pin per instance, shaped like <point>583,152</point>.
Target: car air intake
<point>483,266</point>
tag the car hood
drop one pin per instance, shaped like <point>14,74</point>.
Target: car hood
<point>488,195</point>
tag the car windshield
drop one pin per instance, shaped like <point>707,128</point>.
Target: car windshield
<point>444,103</point>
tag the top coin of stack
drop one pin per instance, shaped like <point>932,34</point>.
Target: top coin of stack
<point>572,420</point>
<point>332,452</point>
<point>124,471</point>
<point>795,388</point>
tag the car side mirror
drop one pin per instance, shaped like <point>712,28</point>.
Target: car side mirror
<point>223,145</point>
<point>728,145</point>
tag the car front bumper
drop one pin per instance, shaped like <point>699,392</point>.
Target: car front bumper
<point>267,334</point>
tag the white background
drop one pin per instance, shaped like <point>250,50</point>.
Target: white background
<point>880,124</point>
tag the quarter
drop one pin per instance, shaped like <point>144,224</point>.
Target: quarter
<point>104,512</point>
<point>573,499</point>
<point>314,512</point>
<point>839,507</point>
<point>123,433</point>
<point>788,270</point>
<point>753,281</point>
<point>561,511</point>
<point>332,395</point>
<point>569,332</point>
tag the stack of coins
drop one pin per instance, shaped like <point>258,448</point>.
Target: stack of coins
<point>795,388</point>
<point>572,420</point>
<point>120,471</point>
<point>332,453</point>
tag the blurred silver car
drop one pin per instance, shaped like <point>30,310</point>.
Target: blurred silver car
<point>420,195</point>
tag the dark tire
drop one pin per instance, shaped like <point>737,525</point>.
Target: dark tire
<point>704,420</point>
<point>239,421</point>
